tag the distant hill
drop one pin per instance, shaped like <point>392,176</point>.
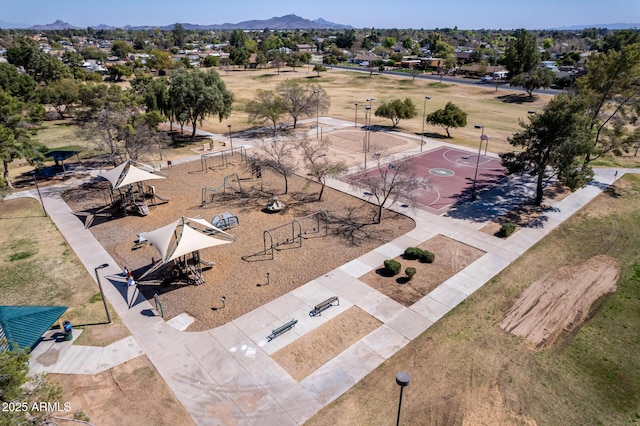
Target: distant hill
<point>4,24</point>
<point>287,22</point>
<point>58,25</point>
<point>617,26</point>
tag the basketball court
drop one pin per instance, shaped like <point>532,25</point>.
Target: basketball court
<point>447,176</point>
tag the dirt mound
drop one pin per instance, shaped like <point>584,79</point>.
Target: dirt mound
<point>559,303</point>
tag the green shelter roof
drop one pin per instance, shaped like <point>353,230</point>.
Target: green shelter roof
<point>23,326</point>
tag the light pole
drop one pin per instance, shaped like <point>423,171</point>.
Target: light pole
<point>369,100</point>
<point>424,117</point>
<point>317,93</point>
<point>356,122</point>
<point>475,177</point>
<point>104,301</point>
<point>402,379</point>
<point>367,111</point>
<point>39,195</point>
<point>230,140</point>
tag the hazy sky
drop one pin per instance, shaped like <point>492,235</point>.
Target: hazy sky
<point>428,14</point>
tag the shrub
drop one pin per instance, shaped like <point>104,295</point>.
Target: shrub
<point>392,267</point>
<point>412,253</point>
<point>507,229</point>
<point>410,272</point>
<point>427,256</point>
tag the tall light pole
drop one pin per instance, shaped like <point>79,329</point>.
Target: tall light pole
<point>104,301</point>
<point>317,93</point>
<point>402,379</point>
<point>367,111</point>
<point>475,177</point>
<point>230,140</point>
<point>356,122</point>
<point>424,118</point>
<point>39,195</point>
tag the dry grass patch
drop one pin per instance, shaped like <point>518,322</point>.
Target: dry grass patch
<point>451,257</point>
<point>317,347</point>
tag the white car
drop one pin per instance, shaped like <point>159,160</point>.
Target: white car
<point>486,79</point>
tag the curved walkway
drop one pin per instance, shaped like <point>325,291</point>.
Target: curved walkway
<point>227,376</point>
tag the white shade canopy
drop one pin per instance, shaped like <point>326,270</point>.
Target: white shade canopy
<point>181,237</point>
<point>126,174</point>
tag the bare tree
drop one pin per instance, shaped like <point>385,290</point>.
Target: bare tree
<point>393,181</point>
<point>317,163</point>
<point>278,155</point>
<point>106,130</point>
<point>302,100</point>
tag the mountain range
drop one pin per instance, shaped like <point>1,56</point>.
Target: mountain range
<point>287,22</point>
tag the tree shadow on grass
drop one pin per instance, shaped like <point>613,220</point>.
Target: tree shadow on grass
<point>520,98</point>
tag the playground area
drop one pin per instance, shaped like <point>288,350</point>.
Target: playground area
<point>238,271</point>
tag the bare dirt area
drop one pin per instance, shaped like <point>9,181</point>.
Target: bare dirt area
<point>132,393</point>
<point>351,233</point>
<point>317,347</point>
<point>559,303</point>
<point>450,258</point>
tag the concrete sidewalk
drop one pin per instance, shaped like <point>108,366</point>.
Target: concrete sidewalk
<point>226,375</point>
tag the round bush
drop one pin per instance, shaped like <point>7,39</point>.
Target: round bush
<point>507,229</point>
<point>410,272</point>
<point>392,267</point>
<point>427,256</point>
<point>412,253</point>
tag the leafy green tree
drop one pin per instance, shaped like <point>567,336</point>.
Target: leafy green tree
<point>240,57</point>
<point>60,95</point>
<point>74,61</point>
<point>160,60</point>
<point>179,35</point>
<point>121,49</point>
<point>522,55</point>
<point>302,100</point>
<point>117,71</point>
<point>15,133</point>
<point>530,81</point>
<point>611,89</point>
<point>397,110</point>
<point>211,61</point>
<point>18,386</point>
<point>18,85</point>
<point>266,106</point>
<point>38,64</point>
<point>317,162</point>
<point>449,116</point>
<point>407,43</point>
<point>346,39</point>
<point>389,42</point>
<point>617,40</point>
<point>198,94</point>
<point>551,146</point>
<point>319,68</point>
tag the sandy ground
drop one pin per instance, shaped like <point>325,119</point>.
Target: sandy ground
<point>451,257</point>
<point>314,349</point>
<point>351,233</point>
<point>557,305</point>
<point>132,393</point>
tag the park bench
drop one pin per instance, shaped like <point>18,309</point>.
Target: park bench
<point>324,305</point>
<point>283,328</point>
